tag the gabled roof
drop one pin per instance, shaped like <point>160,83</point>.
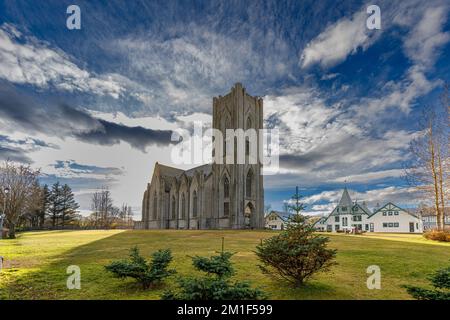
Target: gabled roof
<point>397,208</point>
<point>282,215</point>
<point>168,171</point>
<point>363,208</point>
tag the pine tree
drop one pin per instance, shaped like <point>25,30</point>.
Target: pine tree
<point>43,205</point>
<point>68,205</point>
<point>296,206</point>
<point>55,206</point>
<point>296,253</point>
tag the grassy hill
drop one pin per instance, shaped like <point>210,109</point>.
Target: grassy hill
<point>36,262</point>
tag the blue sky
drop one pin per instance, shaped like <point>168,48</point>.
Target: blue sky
<point>95,106</point>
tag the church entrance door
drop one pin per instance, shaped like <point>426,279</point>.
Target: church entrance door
<point>248,215</point>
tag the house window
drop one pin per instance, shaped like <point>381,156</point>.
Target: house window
<point>390,213</point>
<point>396,213</point>
<point>336,219</point>
<point>384,213</point>
<point>396,225</point>
<point>391,224</point>
<point>344,221</point>
<point>367,227</point>
<point>344,208</point>
<point>356,218</point>
<point>336,227</point>
<point>385,225</point>
<point>329,227</point>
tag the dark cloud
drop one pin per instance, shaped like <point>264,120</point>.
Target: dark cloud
<point>14,154</point>
<point>110,133</point>
<point>63,120</point>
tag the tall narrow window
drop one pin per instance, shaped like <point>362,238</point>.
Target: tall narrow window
<point>183,206</point>
<point>173,207</point>
<point>226,188</point>
<point>248,184</point>
<point>226,209</point>
<point>194,204</point>
<point>247,140</point>
<point>155,206</point>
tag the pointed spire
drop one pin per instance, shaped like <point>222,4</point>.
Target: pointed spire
<point>345,199</point>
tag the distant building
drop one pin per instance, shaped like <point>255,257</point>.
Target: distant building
<point>276,220</point>
<point>348,216</point>
<point>429,218</point>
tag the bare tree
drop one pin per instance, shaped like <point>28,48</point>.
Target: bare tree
<point>428,169</point>
<point>24,193</point>
<point>102,207</point>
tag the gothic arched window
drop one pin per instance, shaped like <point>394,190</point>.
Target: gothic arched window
<point>224,134</point>
<point>226,188</point>
<point>248,183</point>
<point>183,206</point>
<point>173,208</point>
<point>155,206</point>
<point>247,140</point>
<point>194,204</point>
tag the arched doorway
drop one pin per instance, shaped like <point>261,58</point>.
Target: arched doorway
<point>248,212</point>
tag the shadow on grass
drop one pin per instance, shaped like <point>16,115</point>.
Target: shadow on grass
<point>49,281</point>
<point>401,262</point>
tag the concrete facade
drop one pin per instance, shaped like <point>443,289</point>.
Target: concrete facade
<point>218,195</point>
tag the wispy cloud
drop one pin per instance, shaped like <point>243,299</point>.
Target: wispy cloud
<point>26,60</point>
<point>337,41</point>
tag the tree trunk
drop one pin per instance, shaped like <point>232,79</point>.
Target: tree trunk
<point>12,230</point>
<point>435,178</point>
<point>441,185</point>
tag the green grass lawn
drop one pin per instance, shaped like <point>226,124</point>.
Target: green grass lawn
<point>36,262</point>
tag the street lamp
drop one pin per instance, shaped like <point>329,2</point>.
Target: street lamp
<point>3,214</point>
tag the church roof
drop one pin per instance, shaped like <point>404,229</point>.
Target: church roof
<point>169,171</point>
<point>345,199</point>
<point>206,168</point>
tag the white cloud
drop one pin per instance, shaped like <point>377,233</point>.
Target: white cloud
<point>337,41</point>
<point>426,36</point>
<point>25,60</point>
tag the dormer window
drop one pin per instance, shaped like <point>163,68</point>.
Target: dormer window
<point>344,208</point>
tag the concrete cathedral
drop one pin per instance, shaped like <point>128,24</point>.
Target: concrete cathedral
<point>212,196</point>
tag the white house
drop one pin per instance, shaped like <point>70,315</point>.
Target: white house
<point>348,216</point>
<point>391,218</point>
<point>276,220</point>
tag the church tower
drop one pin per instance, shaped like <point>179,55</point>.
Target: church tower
<point>237,181</point>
